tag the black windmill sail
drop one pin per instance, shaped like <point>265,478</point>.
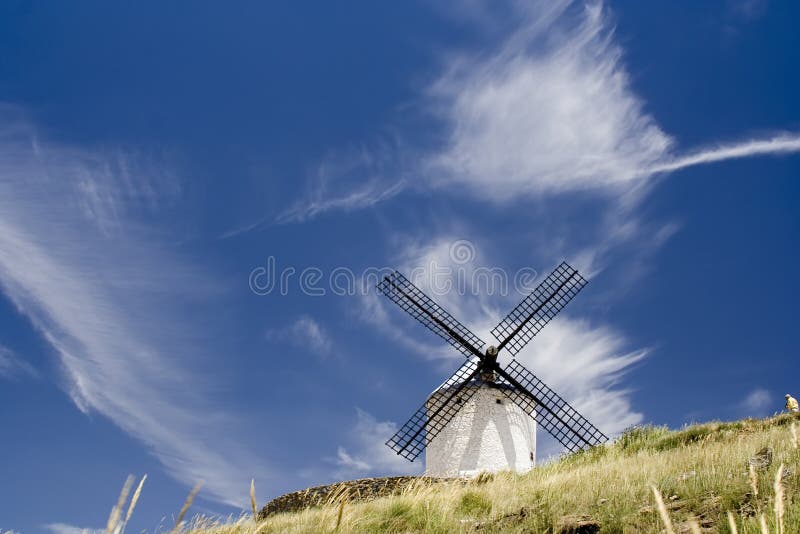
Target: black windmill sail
<point>522,387</point>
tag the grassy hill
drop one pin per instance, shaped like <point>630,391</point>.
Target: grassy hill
<point>703,472</point>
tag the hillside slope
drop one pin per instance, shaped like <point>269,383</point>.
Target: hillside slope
<point>703,472</point>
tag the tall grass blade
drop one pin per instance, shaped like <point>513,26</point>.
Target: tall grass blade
<point>763,522</point>
<point>253,498</point>
<point>779,509</point>
<point>135,498</point>
<point>754,481</point>
<point>732,523</point>
<point>186,505</point>
<point>116,511</point>
<point>339,516</point>
<point>662,510</point>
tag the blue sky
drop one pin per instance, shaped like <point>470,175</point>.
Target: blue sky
<point>153,157</point>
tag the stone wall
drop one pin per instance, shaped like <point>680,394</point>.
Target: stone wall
<point>363,489</point>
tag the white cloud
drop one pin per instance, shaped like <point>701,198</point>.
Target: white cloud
<point>116,304</point>
<point>551,111</point>
<point>316,337</point>
<point>757,402</point>
<point>13,366</point>
<point>583,363</point>
<point>370,456</point>
<point>304,332</point>
<point>364,196</point>
<point>62,528</point>
<point>780,144</point>
<point>350,464</point>
<point>356,179</point>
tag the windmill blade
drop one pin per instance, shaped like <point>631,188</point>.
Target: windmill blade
<point>550,410</point>
<point>434,415</point>
<point>422,308</point>
<point>538,308</point>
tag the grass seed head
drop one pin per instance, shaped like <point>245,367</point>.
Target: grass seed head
<point>662,510</point>
<point>186,505</point>
<point>116,512</point>
<point>779,508</point>
<point>732,523</point>
<point>253,497</point>
<point>135,498</point>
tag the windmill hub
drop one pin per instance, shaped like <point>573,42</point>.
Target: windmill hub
<point>488,363</point>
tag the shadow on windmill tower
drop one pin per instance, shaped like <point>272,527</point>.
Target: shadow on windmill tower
<point>486,435</point>
<point>484,417</point>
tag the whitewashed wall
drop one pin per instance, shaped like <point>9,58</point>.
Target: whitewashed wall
<point>483,436</point>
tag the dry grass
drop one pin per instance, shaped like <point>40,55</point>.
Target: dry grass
<point>662,511</point>
<point>779,496</point>
<point>753,480</point>
<point>186,506</point>
<point>135,498</point>
<point>114,524</point>
<point>701,471</point>
<point>732,522</point>
<point>253,504</point>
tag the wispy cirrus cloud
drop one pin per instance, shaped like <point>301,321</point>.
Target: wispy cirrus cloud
<point>598,358</point>
<point>364,196</point>
<point>305,332</point>
<point>553,111</point>
<point>780,144</point>
<point>550,111</point>
<point>352,180</point>
<point>116,304</point>
<point>13,366</point>
<point>757,403</point>
<point>366,454</point>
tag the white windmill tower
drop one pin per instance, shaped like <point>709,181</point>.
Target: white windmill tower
<point>484,417</point>
<point>489,433</point>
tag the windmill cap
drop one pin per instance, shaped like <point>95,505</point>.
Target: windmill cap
<point>788,395</point>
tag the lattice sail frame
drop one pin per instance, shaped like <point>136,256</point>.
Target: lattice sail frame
<point>422,308</point>
<point>550,410</point>
<point>437,411</point>
<point>538,308</point>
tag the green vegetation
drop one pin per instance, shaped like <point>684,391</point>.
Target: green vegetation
<point>701,474</point>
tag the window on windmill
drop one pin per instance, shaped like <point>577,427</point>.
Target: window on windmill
<point>499,401</point>
<point>531,456</point>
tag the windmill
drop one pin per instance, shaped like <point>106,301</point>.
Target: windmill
<point>479,429</point>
